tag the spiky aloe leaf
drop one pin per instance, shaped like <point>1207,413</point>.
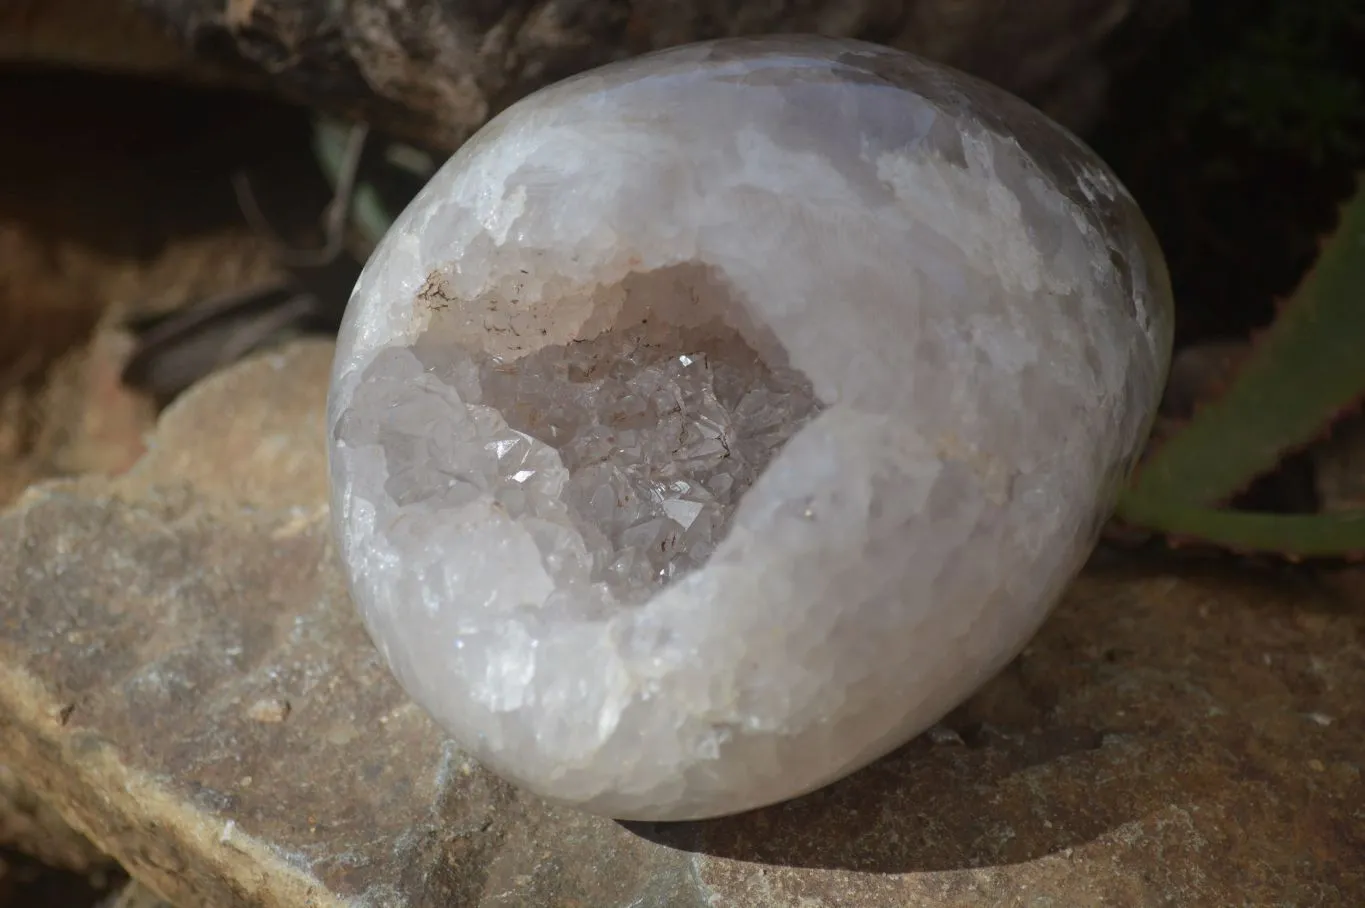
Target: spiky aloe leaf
<point>1307,369</point>
<point>1292,536</point>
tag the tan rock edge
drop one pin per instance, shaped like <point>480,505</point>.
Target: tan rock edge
<point>183,677</point>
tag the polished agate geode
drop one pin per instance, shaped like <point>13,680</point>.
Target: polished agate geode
<point>716,421</point>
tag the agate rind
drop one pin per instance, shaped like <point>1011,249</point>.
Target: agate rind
<point>976,305</point>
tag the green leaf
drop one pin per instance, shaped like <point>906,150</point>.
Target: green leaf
<point>1307,369</point>
<point>1289,535</point>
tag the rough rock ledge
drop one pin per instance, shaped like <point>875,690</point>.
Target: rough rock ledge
<point>183,678</point>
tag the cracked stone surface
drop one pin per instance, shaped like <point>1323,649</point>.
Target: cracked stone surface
<point>183,678</point>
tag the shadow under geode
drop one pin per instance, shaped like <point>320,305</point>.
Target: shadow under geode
<point>1110,717</point>
<point>927,806</point>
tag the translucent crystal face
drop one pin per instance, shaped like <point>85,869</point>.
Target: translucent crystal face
<point>716,421</point>
<point>657,444</point>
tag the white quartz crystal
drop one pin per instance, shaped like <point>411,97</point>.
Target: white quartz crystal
<point>714,422</point>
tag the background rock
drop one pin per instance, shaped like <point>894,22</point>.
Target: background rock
<point>135,895</point>
<point>182,676</point>
<point>101,35</point>
<point>432,71</point>
<point>116,203</point>
<point>30,825</point>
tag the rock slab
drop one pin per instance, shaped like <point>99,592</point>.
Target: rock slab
<point>183,677</point>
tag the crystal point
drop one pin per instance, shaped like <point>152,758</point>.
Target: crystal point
<point>715,421</point>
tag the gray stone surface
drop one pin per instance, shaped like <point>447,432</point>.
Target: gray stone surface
<point>182,676</point>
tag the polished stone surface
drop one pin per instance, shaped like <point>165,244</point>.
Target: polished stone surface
<point>714,422</point>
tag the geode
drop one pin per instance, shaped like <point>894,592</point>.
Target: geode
<point>715,421</point>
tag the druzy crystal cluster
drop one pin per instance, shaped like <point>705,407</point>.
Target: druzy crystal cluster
<point>715,421</point>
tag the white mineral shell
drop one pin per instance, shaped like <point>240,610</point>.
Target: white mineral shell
<point>978,304</point>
